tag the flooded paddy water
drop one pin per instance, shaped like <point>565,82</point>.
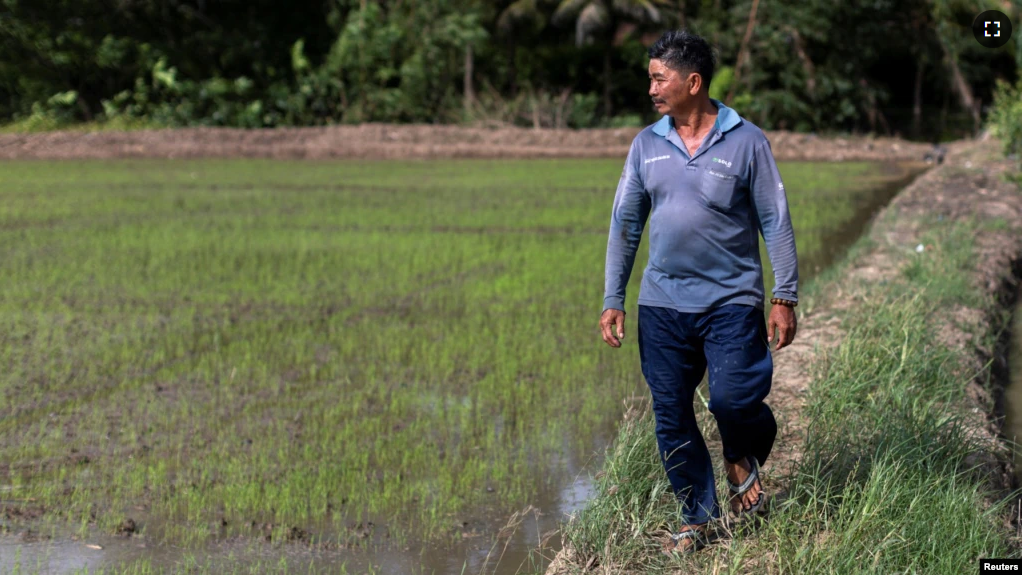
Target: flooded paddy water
<point>321,366</point>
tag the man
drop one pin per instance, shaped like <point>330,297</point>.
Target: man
<point>708,182</point>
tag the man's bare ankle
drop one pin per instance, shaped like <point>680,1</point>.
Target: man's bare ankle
<point>733,467</point>
<point>734,475</point>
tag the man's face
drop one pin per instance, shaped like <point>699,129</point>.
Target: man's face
<point>671,90</point>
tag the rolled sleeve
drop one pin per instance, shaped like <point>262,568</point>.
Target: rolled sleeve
<point>771,208</point>
<point>631,208</point>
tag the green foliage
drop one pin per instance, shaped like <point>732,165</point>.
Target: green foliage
<point>161,97</point>
<point>624,121</point>
<point>583,110</point>
<point>722,80</point>
<point>1006,116</point>
<point>58,111</point>
<point>312,62</point>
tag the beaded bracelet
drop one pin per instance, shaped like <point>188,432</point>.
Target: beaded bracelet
<point>783,302</point>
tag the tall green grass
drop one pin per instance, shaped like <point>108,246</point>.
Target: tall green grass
<point>887,481</point>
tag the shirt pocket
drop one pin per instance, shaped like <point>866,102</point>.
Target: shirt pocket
<point>718,188</point>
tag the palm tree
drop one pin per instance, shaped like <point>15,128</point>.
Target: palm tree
<point>519,13</point>
<point>520,17</point>
<point>951,39</point>
<point>604,21</point>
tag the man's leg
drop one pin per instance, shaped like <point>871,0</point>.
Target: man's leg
<point>741,370</point>
<point>673,364</point>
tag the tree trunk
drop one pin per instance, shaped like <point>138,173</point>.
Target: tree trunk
<point>511,54</point>
<point>742,51</point>
<point>559,112</point>
<point>716,30</point>
<point>871,108</point>
<point>873,112</point>
<point>807,63</point>
<point>681,14</point>
<point>917,99</point>
<point>535,109</point>
<point>883,122</point>
<point>943,117</point>
<point>469,89</point>
<point>83,106</point>
<point>607,103</point>
<point>961,86</point>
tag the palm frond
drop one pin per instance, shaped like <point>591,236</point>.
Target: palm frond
<point>519,11</point>
<point>639,10</point>
<point>593,18</point>
<point>568,10</point>
<point>653,13</point>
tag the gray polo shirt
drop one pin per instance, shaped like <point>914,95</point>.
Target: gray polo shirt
<point>705,213</point>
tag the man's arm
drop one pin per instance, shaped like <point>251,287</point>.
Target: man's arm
<point>771,208</point>
<point>631,208</point>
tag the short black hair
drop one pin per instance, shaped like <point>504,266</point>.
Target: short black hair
<point>683,51</point>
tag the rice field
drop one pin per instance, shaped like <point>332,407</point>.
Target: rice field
<point>336,356</point>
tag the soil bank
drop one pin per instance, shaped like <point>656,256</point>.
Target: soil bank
<point>389,141</point>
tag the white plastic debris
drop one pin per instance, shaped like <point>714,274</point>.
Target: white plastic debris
<point>920,248</point>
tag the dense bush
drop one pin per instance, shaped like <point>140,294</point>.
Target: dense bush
<point>1006,116</point>
<point>532,62</point>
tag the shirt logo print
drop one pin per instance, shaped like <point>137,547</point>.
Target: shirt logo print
<point>648,160</point>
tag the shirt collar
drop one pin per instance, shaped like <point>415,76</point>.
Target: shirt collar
<point>727,119</point>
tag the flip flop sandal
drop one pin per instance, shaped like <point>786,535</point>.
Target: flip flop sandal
<point>746,486</point>
<point>698,538</point>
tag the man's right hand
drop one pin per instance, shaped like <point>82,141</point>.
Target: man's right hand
<point>612,319</point>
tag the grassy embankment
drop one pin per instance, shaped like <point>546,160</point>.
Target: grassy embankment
<point>886,483</point>
<point>291,350</point>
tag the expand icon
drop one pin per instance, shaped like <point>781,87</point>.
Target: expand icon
<point>992,29</point>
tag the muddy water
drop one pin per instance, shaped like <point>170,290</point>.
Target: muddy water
<point>519,549</point>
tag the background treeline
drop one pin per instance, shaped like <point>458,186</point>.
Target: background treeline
<point>890,66</point>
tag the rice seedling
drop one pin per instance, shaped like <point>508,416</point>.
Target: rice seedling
<point>363,355</point>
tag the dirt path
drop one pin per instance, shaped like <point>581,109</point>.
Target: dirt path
<point>968,184</point>
<point>375,141</point>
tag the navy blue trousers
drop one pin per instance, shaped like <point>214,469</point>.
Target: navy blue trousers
<point>676,349</point>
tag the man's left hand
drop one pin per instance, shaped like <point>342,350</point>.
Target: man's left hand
<point>782,318</point>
